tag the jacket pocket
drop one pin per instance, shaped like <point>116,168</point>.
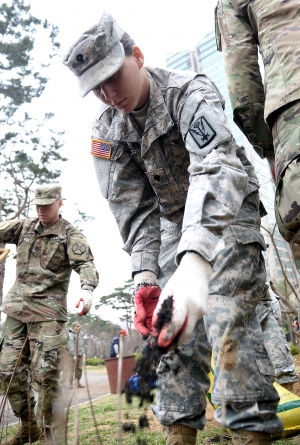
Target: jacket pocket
<point>55,341</point>
<point>54,255</point>
<point>246,235</point>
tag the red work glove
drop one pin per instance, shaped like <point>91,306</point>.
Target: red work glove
<point>146,297</point>
<point>84,302</point>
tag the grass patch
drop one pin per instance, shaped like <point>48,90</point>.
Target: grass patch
<point>97,369</point>
<point>94,361</point>
<point>106,416</point>
<point>295,350</point>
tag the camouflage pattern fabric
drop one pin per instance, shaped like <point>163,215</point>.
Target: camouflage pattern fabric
<point>286,144</point>
<point>77,371</point>
<point>272,25</point>
<point>275,342</point>
<point>45,260</point>
<point>267,114</point>
<point>177,403</point>
<point>39,366</point>
<point>244,374</point>
<point>72,354</point>
<point>72,343</point>
<point>186,168</point>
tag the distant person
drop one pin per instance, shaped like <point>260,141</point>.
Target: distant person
<point>48,249</point>
<point>76,355</point>
<point>115,344</point>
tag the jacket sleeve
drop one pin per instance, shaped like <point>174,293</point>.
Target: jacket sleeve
<point>218,180</point>
<point>236,39</point>
<point>10,231</point>
<point>81,260</point>
<point>134,205</point>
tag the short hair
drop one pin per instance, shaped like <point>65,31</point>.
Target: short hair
<point>127,43</point>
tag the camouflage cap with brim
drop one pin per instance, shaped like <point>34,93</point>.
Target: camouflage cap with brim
<point>46,195</point>
<point>97,55</point>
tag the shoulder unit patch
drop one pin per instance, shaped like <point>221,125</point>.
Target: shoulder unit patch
<point>78,248</point>
<point>202,132</point>
<point>101,149</point>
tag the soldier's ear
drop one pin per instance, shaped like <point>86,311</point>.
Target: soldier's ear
<point>60,203</point>
<point>138,55</point>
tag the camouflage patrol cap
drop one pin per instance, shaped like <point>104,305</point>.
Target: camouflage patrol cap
<point>97,54</point>
<point>76,324</point>
<point>47,194</point>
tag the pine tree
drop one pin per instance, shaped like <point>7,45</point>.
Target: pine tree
<point>30,148</point>
<point>120,299</point>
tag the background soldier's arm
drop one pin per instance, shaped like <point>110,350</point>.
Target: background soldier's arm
<point>236,39</point>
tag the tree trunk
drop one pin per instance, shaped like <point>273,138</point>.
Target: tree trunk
<point>2,273</point>
<point>2,267</point>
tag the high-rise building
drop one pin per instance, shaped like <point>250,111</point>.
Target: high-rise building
<point>206,59</point>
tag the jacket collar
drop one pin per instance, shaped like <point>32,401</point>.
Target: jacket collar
<point>124,128</point>
<point>54,230</point>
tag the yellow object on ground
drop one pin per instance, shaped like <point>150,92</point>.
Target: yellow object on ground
<point>288,409</point>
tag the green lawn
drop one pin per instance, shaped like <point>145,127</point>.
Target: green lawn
<point>106,416</point>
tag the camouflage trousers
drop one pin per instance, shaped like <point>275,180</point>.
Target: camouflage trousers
<point>243,372</point>
<point>275,342</point>
<point>73,369</point>
<point>286,138</point>
<point>35,367</point>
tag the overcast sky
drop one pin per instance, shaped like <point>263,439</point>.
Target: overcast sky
<point>159,27</point>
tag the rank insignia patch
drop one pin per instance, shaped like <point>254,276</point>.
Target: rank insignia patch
<point>101,149</point>
<point>202,132</point>
<point>78,248</point>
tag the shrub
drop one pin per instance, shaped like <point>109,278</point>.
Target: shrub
<point>94,361</point>
<point>295,350</point>
<point>138,356</point>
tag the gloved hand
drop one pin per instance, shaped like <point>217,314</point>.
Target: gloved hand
<point>85,302</point>
<point>145,297</point>
<point>189,288</point>
<point>74,358</point>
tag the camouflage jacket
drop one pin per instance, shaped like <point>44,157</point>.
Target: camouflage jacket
<point>274,26</point>
<point>45,260</point>
<point>185,167</point>
<point>72,343</point>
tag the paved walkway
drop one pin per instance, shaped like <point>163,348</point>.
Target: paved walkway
<point>97,385</point>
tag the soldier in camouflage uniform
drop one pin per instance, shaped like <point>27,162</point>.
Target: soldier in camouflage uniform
<point>34,336</point>
<point>76,355</point>
<point>164,153</point>
<point>268,114</point>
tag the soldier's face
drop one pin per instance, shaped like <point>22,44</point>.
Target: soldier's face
<point>128,89</point>
<point>49,214</point>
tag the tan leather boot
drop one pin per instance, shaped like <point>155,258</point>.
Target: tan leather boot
<point>289,386</point>
<point>178,434</point>
<point>242,437</point>
<point>28,432</point>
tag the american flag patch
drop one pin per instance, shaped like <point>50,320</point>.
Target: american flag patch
<point>101,149</point>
